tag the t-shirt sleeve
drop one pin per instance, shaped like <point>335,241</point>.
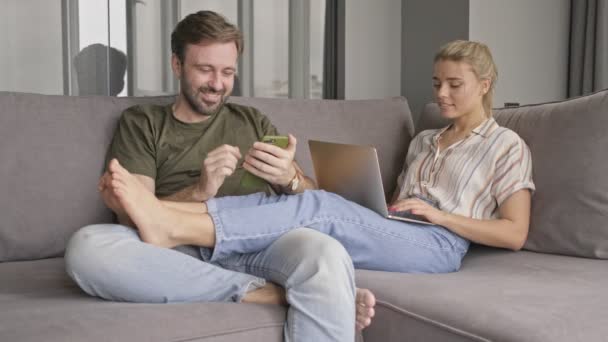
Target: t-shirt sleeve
<point>267,127</point>
<point>513,171</point>
<point>133,143</point>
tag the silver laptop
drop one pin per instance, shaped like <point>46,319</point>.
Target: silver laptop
<point>353,172</point>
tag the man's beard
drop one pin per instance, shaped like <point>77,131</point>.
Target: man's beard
<point>192,96</point>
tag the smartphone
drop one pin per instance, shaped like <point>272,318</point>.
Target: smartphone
<point>250,180</point>
<point>277,140</point>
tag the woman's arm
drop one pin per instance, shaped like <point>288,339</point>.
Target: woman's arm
<point>509,231</point>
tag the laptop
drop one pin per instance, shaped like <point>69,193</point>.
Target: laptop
<point>353,172</point>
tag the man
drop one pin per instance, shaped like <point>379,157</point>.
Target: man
<point>191,151</point>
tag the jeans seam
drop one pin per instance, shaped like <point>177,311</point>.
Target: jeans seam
<point>410,240</point>
<point>219,232</point>
<point>322,219</point>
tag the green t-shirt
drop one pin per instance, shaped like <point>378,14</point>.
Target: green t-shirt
<point>150,141</point>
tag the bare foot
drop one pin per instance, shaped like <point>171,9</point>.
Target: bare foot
<point>267,294</point>
<point>365,303</point>
<point>189,207</point>
<point>274,294</point>
<point>153,220</point>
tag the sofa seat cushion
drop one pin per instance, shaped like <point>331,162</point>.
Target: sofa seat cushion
<point>497,295</point>
<point>39,302</point>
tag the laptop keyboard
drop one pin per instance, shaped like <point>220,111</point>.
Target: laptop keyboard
<point>407,214</point>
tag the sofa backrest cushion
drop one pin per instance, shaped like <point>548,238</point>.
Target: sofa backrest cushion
<point>53,149</point>
<point>569,143</point>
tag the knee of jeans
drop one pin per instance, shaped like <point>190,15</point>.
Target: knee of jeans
<point>330,251</point>
<point>326,258</point>
<point>86,255</point>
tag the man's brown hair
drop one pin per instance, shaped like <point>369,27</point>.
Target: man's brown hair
<point>204,26</point>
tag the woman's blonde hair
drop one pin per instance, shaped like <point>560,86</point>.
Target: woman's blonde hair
<point>479,57</point>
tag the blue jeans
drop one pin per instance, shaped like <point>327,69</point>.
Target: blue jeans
<point>110,261</point>
<point>373,242</point>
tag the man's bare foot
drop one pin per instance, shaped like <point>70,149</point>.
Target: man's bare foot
<point>153,220</point>
<point>267,294</point>
<point>365,303</point>
<point>189,207</point>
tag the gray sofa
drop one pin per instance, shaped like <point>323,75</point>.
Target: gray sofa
<point>52,150</point>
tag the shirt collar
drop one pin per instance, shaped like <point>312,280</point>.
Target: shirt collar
<point>484,129</point>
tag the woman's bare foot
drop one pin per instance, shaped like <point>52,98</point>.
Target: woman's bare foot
<point>365,303</point>
<point>153,220</point>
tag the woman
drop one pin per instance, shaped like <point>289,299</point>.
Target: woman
<point>478,175</point>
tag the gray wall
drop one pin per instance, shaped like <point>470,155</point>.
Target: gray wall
<point>529,41</point>
<point>372,49</point>
<point>427,24</point>
<point>31,56</point>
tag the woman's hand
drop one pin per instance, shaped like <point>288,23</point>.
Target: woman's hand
<point>419,207</point>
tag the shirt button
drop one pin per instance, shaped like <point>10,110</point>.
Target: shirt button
<point>424,184</point>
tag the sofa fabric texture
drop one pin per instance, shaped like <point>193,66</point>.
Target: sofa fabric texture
<point>53,149</point>
<point>568,141</point>
<point>39,302</point>
<point>497,295</point>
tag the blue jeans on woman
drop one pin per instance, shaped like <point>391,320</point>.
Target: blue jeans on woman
<point>372,241</point>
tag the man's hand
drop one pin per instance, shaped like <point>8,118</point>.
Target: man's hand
<point>219,164</point>
<point>272,163</point>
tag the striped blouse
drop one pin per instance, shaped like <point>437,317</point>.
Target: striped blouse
<point>473,176</point>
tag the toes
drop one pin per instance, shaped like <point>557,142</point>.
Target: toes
<point>365,312</point>
<point>113,165</point>
<point>122,175</point>
<point>363,323</point>
<point>119,192</point>
<point>365,308</point>
<point>366,297</point>
<point>117,169</point>
<point>118,184</point>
